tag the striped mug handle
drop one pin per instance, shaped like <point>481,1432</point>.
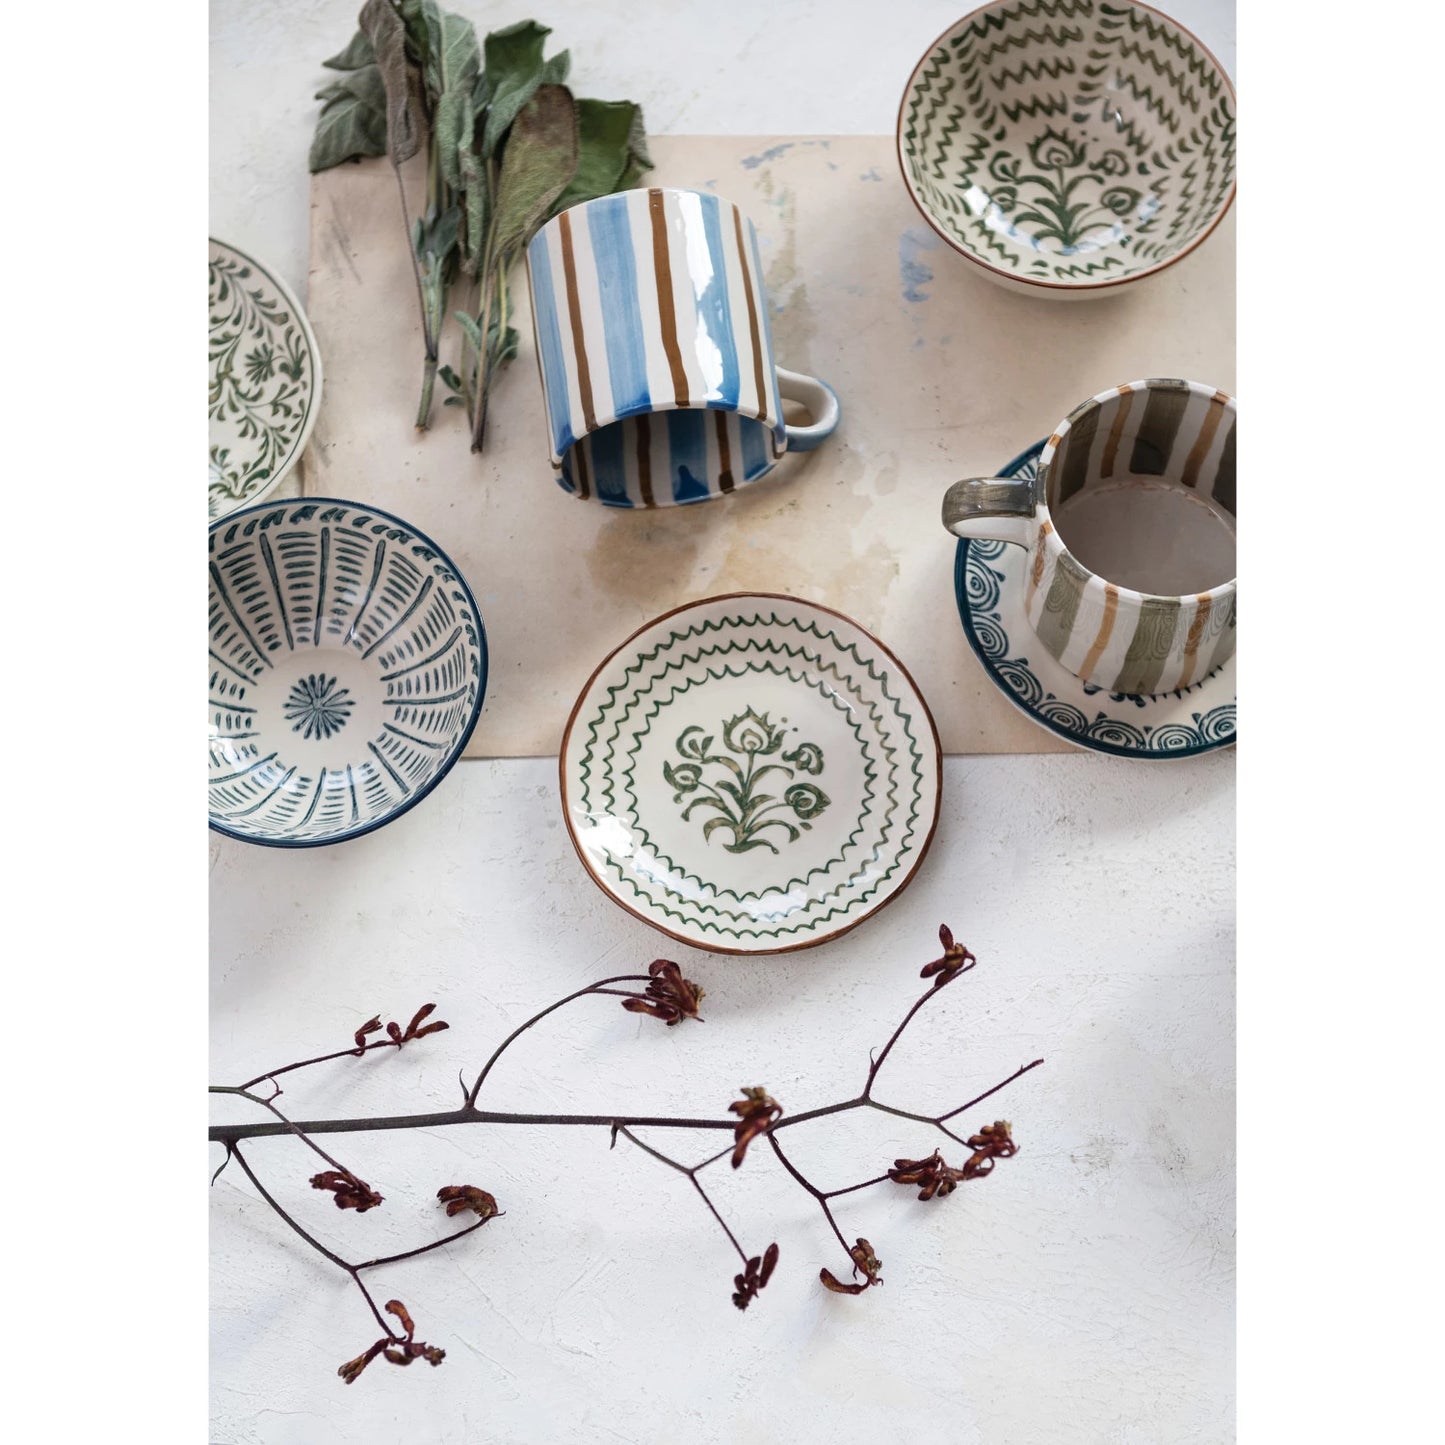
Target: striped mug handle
<point>820,400</point>
<point>992,509</point>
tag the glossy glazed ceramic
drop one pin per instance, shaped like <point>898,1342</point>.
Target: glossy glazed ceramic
<point>656,354</point>
<point>1128,523</point>
<point>990,581</point>
<point>348,663</point>
<point>751,774</point>
<point>265,380</point>
<point>1069,147</point>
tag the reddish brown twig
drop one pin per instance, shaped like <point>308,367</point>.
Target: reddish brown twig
<point>664,994</point>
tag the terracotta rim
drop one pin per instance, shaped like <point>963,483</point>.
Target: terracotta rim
<point>737,597</point>
<point>1054,287</point>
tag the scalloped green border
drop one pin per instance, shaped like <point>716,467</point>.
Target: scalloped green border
<point>624,795</point>
<point>870,772</point>
<point>736,620</point>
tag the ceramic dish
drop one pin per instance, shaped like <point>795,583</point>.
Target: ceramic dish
<point>347,668</point>
<point>265,380</point>
<point>1069,147</point>
<point>989,580</point>
<point>751,774</point>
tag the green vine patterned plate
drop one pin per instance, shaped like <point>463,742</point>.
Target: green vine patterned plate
<point>751,774</point>
<point>265,380</point>
<point>802,657</point>
<point>849,874</point>
<point>1068,146</point>
<point>989,585</point>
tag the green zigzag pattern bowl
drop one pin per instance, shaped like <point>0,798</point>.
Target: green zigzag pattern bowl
<point>1069,146</point>
<point>751,774</point>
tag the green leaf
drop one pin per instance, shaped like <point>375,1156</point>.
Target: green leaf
<point>537,165</point>
<point>357,53</point>
<point>406,128</point>
<point>365,85</point>
<point>469,325</point>
<point>439,235</point>
<point>349,125</point>
<point>476,203</point>
<point>611,150</point>
<point>504,347</point>
<point>453,63</point>
<point>555,69</point>
<point>514,71</point>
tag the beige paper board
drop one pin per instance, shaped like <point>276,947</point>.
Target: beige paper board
<point>941,375</point>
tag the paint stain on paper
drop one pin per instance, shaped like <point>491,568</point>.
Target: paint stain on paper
<point>751,163</point>
<point>915,273</point>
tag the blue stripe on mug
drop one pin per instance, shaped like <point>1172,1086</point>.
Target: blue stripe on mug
<point>715,311</point>
<point>609,469</point>
<point>755,448</point>
<point>687,441</point>
<point>549,345</point>
<point>622,331</point>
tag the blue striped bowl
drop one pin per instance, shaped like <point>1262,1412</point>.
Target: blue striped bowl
<point>348,664</point>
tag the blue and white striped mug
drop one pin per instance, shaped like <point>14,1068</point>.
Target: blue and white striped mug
<point>656,353</point>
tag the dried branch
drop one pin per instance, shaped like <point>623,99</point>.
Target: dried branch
<point>664,994</point>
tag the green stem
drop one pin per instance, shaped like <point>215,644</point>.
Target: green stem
<point>428,380</point>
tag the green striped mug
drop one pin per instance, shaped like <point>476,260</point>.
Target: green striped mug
<point>1130,530</point>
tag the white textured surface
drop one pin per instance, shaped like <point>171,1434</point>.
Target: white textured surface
<point>1084,1293</point>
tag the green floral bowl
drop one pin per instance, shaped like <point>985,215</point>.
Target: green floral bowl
<point>1068,147</point>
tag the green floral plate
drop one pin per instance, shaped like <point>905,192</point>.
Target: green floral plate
<point>265,380</point>
<point>751,774</point>
<point>1068,147</point>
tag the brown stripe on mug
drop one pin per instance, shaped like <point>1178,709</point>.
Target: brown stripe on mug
<point>752,318</point>
<point>574,315</point>
<point>1106,627</point>
<point>1154,441</point>
<point>666,307</point>
<point>724,452</point>
<point>1204,440</point>
<point>1116,432</point>
<point>1203,605</point>
<point>643,427</point>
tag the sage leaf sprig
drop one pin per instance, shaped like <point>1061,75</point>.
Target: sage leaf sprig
<point>508,145</point>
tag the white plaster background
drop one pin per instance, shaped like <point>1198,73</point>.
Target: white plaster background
<point>1084,1293</point>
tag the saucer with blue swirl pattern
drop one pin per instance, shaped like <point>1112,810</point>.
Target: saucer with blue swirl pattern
<point>989,582</point>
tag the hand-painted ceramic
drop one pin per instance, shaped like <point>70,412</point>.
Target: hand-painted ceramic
<point>1068,147</point>
<point>990,579</point>
<point>265,380</point>
<point>348,665</point>
<point>1128,525</point>
<point>751,774</point>
<point>656,352</point>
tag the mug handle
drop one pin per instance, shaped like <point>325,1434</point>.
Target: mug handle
<point>821,402</point>
<point>992,509</point>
